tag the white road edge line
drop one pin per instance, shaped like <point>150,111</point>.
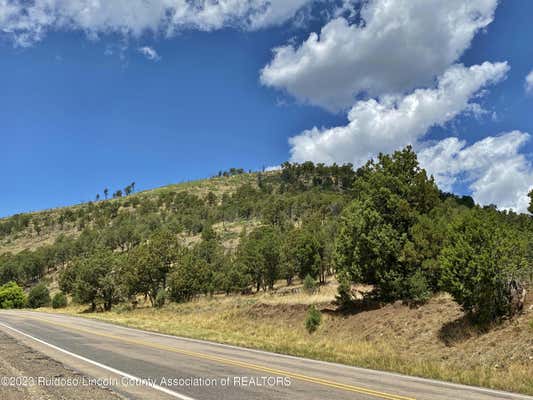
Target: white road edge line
<point>103,366</point>
<point>509,395</point>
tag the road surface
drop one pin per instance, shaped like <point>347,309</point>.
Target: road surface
<point>144,365</point>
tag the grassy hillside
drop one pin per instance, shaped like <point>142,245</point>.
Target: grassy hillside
<point>29,231</point>
<point>433,340</point>
<point>373,267</point>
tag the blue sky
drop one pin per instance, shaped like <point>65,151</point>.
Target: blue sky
<point>80,113</point>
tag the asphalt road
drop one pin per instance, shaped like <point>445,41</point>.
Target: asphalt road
<point>144,365</point>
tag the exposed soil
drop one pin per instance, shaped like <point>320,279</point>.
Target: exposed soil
<point>437,330</point>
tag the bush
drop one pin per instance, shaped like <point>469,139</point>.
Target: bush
<point>309,284</point>
<point>418,288</point>
<point>480,263</point>
<point>344,290</point>
<point>160,298</point>
<point>313,319</point>
<point>12,296</point>
<point>39,296</point>
<point>59,300</point>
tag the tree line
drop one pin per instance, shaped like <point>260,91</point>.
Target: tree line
<point>385,224</point>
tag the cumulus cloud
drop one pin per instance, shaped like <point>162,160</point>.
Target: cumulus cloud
<point>492,168</point>
<point>28,21</point>
<point>150,53</point>
<point>398,45</point>
<point>273,168</point>
<point>529,82</point>
<point>391,122</point>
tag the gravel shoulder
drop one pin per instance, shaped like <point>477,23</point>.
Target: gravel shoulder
<point>20,367</point>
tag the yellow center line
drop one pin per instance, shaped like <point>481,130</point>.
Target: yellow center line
<point>227,361</point>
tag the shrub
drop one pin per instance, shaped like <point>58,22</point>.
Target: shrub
<point>479,264</point>
<point>418,288</point>
<point>160,298</point>
<point>344,290</point>
<point>59,300</point>
<point>12,296</point>
<point>309,284</point>
<point>313,319</point>
<point>39,296</point>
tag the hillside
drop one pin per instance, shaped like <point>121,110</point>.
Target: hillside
<point>374,267</point>
<point>434,340</point>
<point>29,231</point>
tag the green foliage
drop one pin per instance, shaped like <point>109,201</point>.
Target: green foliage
<point>418,288</point>
<point>39,296</point>
<point>375,241</point>
<point>185,281</point>
<point>344,290</point>
<point>530,208</point>
<point>385,224</point>
<point>94,279</point>
<point>160,298</point>
<point>260,255</point>
<point>12,296</point>
<point>149,263</point>
<point>302,254</point>
<point>309,284</point>
<point>313,319</point>
<point>308,175</point>
<point>59,300</point>
<point>482,257</point>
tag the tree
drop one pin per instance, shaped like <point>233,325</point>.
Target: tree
<point>117,194</point>
<point>67,278</point>
<point>275,213</point>
<point>59,300</point>
<point>232,277</point>
<point>150,263</point>
<point>377,227</point>
<point>366,246</point>
<point>128,190</point>
<point>313,319</point>
<point>106,193</point>
<point>260,253</point>
<point>97,196</point>
<point>211,198</point>
<point>12,296</point>
<point>95,279</point>
<point>39,296</point>
<point>302,254</point>
<point>184,281</point>
<point>10,270</point>
<point>123,235</point>
<point>481,263</point>
<point>161,298</point>
<point>309,284</point>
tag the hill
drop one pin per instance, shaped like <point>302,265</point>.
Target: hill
<point>374,267</point>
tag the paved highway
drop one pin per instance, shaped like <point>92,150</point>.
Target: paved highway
<point>144,365</point>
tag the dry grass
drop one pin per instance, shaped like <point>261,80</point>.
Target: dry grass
<point>29,239</point>
<point>433,341</point>
<point>228,232</point>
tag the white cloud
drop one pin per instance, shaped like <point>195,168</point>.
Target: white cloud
<point>402,44</point>
<point>273,168</point>
<point>392,122</point>
<point>150,53</point>
<point>529,82</point>
<point>28,21</point>
<point>492,168</point>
